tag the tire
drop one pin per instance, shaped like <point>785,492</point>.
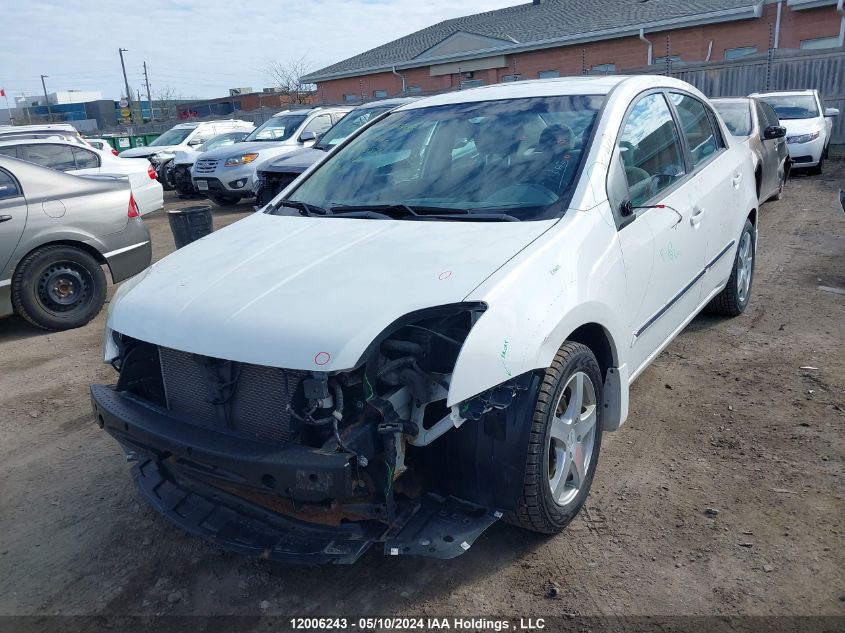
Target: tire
<point>549,460</point>
<point>222,199</point>
<point>58,288</point>
<point>734,298</point>
<point>165,176</point>
<point>817,170</point>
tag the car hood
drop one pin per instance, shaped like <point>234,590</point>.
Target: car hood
<point>309,293</point>
<point>241,148</point>
<point>186,157</point>
<point>795,127</point>
<point>144,151</point>
<point>296,162</point>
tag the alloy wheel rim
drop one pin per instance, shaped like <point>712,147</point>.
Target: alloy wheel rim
<point>572,438</point>
<point>745,264</point>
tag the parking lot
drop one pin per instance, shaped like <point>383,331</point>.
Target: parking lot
<point>722,494</point>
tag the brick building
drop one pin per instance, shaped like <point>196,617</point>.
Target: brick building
<point>549,38</point>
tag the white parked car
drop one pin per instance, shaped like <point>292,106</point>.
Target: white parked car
<point>183,136</point>
<point>436,324</point>
<point>809,125</point>
<point>225,176</point>
<point>101,144</point>
<point>73,158</point>
<point>179,170</point>
<point>43,130</point>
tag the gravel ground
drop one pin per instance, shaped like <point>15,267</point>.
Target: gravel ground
<point>722,495</point>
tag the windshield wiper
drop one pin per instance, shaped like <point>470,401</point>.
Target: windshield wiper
<point>401,207</point>
<point>302,207</point>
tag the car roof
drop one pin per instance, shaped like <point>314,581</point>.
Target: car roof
<point>782,93</point>
<point>44,141</point>
<point>731,100</point>
<point>45,127</point>
<point>392,102</point>
<point>559,86</point>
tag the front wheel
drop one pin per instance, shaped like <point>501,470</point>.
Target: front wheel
<point>734,298</point>
<point>817,170</point>
<point>58,288</point>
<point>564,444</point>
<point>165,175</point>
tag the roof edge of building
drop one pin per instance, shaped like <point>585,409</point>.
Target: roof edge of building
<point>753,9</point>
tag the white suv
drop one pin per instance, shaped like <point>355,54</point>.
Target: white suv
<point>226,175</point>
<point>181,137</point>
<point>809,125</point>
<point>432,327</point>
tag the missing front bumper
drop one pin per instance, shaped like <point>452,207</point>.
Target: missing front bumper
<point>177,460</point>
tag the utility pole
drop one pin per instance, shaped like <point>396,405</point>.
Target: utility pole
<point>126,82</point>
<point>46,98</point>
<point>149,98</point>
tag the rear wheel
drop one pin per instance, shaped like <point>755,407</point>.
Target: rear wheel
<point>564,443</point>
<point>734,298</point>
<point>58,288</point>
<point>222,199</point>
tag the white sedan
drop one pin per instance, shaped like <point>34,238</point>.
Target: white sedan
<point>74,158</point>
<point>433,327</point>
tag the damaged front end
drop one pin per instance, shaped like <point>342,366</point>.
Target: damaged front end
<point>314,467</point>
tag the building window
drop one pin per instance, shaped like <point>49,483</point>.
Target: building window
<point>742,51</point>
<point>603,69</point>
<point>351,98</point>
<point>820,42</point>
<point>671,58</point>
<point>548,74</point>
<point>471,83</point>
<point>506,78</point>
<point>379,94</point>
<point>413,90</point>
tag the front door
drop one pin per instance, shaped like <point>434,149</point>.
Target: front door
<point>664,247</point>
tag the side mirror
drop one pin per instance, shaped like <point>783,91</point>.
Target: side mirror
<point>306,137</point>
<point>194,142</point>
<point>774,131</point>
<point>831,111</point>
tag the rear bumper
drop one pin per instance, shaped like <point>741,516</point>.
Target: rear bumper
<point>191,474</point>
<point>130,251</point>
<point>149,197</point>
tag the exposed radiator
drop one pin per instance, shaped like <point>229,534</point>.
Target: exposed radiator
<point>230,397</point>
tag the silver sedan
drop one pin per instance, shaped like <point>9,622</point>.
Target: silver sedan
<point>57,231</point>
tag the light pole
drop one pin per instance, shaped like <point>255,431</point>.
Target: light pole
<point>126,83</point>
<point>46,98</point>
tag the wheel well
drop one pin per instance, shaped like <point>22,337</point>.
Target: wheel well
<point>758,179</point>
<point>596,338</point>
<point>93,252</point>
<point>753,217</point>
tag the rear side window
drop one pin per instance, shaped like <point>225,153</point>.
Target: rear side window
<point>8,186</point>
<point>319,124</point>
<point>85,159</point>
<point>53,156</point>
<point>696,125</point>
<point>650,149</point>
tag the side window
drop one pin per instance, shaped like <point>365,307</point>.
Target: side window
<point>319,124</point>
<point>85,159</point>
<point>9,150</point>
<point>696,125</point>
<point>650,149</point>
<point>8,186</point>
<point>53,156</point>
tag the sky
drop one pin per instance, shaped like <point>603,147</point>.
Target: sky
<point>196,48</point>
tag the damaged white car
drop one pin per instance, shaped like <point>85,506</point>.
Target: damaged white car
<point>432,328</point>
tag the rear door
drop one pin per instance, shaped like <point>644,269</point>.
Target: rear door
<point>12,219</point>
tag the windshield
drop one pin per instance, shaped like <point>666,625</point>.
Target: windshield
<point>509,159</point>
<point>173,136</point>
<point>222,140</point>
<point>793,106</point>
<point>277,128</point>
<point>737,116</point>
<point>348,124</point>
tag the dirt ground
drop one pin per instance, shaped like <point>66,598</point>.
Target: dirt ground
<point>722,494</point>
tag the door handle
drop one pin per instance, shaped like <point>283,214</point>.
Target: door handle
<point>5,218</point>
<point>697,215</point>
<point>736,180</point>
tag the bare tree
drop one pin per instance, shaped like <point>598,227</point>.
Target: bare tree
<point>287,77</point>
<point>165,100</point>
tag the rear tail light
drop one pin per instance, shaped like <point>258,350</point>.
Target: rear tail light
<point>114,151</point>
<point>152,172</point>
<point>132,212</point>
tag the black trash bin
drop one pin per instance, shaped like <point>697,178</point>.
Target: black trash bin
<point>190,223</point>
